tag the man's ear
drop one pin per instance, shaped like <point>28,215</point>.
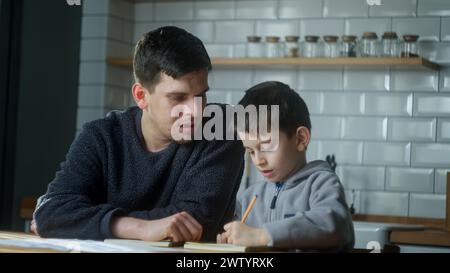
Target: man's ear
<point>139,93</point>
<point>302,136</point>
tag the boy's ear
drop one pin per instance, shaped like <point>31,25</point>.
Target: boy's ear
<point>303,136</point>
<point>139,93</point>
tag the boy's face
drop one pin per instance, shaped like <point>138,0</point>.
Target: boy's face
<point>281,163</point>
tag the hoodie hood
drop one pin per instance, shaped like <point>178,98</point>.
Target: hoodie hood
<point>305,172</point>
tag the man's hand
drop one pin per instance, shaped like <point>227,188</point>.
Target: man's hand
<point>179,227</point>
<point>239,233</point>
<point>33,228</point>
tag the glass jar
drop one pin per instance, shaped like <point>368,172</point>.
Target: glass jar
<point>369,44</point>
<point>348,46</point>
<point>389,45</point>
<point>291,47</point>
<point>311,47</point>
<point>410,48</point>
<point>255,49</point>
<point>331,47</point>
<point>273,47</point>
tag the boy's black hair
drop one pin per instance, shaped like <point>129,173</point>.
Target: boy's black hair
<point>171,50</point>
<point>293,111</point>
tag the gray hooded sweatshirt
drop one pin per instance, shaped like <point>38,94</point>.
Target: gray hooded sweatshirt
<point>307,211</point>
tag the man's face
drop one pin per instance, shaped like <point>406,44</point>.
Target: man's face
<point>169,94</point>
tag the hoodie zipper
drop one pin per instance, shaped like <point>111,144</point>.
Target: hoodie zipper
<point>273,203</point>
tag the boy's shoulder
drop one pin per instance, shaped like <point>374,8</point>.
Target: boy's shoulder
<point>316,173</point>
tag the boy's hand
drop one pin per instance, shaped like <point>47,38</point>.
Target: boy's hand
<point>179,227</point>
<point>239,233</point>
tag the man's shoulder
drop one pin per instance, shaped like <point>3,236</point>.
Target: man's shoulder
<point>114,120</point>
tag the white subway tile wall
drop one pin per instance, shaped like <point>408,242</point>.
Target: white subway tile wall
<point>410,179</point>
<point>256,9</point>
<point>365,128</point>
<point>444,84</point>
<point>427,205</point>
<point>362,177</point>
<point>212,10</point>
<point>445,29</point>
<point>384,203</point>
<point>173,10</point>
<point>434,7</point>
<point>280,28</point>
<point>345,8</point>
<point>412,129</point>
<point>388,128</point>
<point>440,182</point>
<point>428,28</point>
<point>443,132</point>
<point>388,154</point>
<point>289,9</point>
<point>321,27</point>
<point>394,8</point>
<point>313,79</point>
<point>359,26</point>
<point>414,80</point>
<point>366,79</point>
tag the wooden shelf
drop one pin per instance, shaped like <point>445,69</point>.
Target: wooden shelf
<point>425,237</point>
<point>419,63</point>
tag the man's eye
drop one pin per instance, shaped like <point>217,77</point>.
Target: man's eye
<point>177,98</point>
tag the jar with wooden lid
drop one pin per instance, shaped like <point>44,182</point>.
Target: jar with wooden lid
<point>311,47</point>
<point>273,47</point>
<point>331,46</point>
<point>410,48</point>
<point>389,45</point>
<point>255,48</point>
<point>369,44</point>
<point>348,46</point>
<point>291,46</point>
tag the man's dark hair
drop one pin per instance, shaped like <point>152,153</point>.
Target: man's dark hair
<point>293,111</point>
<point>171,50</point>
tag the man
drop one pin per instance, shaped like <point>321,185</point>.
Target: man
<point>125,176</point>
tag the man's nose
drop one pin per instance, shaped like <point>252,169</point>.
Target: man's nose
<point>196,107</point>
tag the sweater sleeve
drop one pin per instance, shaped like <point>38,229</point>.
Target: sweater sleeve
<point>327,225</point>
<point>74,205</point>
<point>208,189</point>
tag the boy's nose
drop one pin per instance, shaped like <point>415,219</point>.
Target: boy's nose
<point>260,161</point>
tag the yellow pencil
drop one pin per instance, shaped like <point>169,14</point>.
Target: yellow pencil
<point>249,208</point>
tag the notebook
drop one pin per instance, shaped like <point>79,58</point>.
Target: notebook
<point>213,247</point>
<point>142,244</point>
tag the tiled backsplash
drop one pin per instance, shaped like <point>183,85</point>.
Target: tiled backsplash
<point>389,128</point>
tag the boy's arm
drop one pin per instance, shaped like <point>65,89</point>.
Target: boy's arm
<point>327,225</point>
<point>74,206</point>
<point>208,190</point>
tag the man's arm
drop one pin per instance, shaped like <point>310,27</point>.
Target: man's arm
<point>74,205</point>
<point>208,189</point>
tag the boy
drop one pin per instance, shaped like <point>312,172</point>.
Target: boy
<point>303,204</point>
